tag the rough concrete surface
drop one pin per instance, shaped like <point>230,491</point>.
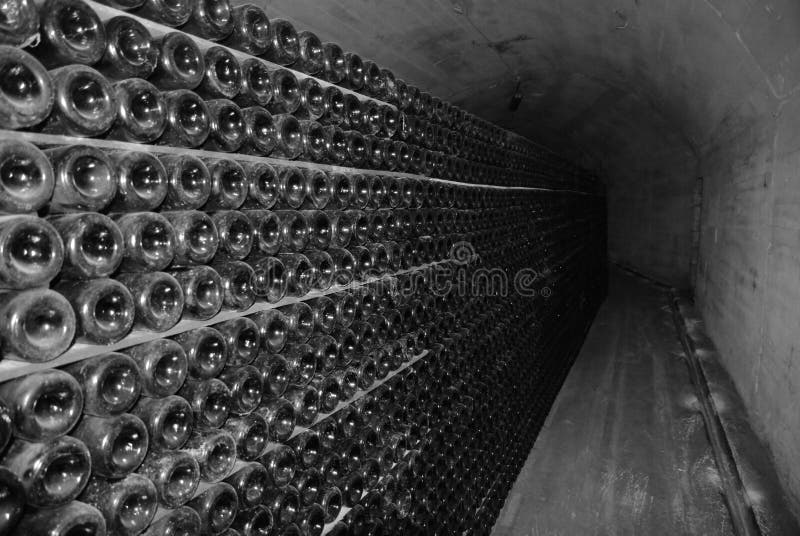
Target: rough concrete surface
<point>653,94</point>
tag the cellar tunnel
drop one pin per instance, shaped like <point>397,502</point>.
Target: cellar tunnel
<point>654,95</point>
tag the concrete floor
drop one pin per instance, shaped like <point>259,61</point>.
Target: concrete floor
<point>624,451</point>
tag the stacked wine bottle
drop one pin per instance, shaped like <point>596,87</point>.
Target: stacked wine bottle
<point>248,299</point>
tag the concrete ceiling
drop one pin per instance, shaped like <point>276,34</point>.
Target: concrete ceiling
<point>609,80</point>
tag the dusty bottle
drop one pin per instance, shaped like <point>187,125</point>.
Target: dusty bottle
<point>168,421</point>
<point>354,71</point>
<point>13,500</point>
<point>305,401</point>
<point>217,507</point>
<point>254,521</point>
<point>141,181</point>
<point>210,401</point>
<point>251,434</point>
<point>323,268</point>
<point>229,184</point>
<point>261,133</point>
<point>256,84</point>
<point>110,382</point>
<point>352,112</point>
<point>312,54</point>
<point>128,505</point>
<point>334,65</point>
<point>312,520</point>
<point>129,49</point>
<point>71,32</point>
<point>302,364</point>
<point>242,339</point>
<point>188,120</point>
<point>342,228</point>
<point>66,519</point>
<point>175,474</point>
<point>180,63</point>
<point>84,179</point>
<point>300,273</point>
<point>328,388</point>
<point>182,520</point>
<point>37,325</point>
<point>335,145</point>
<point>64,461</point>
<point>289,137</point>
<point>403,155</point>
<point>206,351</point>
<point>237,284</point>
<point>280,418</point>
<point>342,191</point>
<point>370,118</point>
<point>250,30</point>
<point>196,237</point>
<point>264,185</point>
<point>374,80</point>
<point>280,464</point>
<point>104,309</point>
<point>235,234</point>
<point>215,452</point>
<point>149,240</point>
<point>294,230</point>
<point>374,159</point>
<point>318,189</point>
<point>20,24</point>
<point>284,43</point>
<point>42,405</point>
<point>356,148</point>
<point>331,502</point>
<point>85,102</point>
<point>26,98</point>
<point>270,279</point>
<point>117,444</point>
<point>31,251</point>
<point>202,291</point>
<point>162,366</point>
<point>314,141</point>
<point>158,297</point>
<point>251,483</point>
<point>274,326</point>
<point>26,177</point>
<point>210,19</point>
<point>346,306</point>
<point>333,99</point>
<point>227,126</point>
<point>286,96</point>
<point>389,150</point>
<point>189,182</point>
<point>275,374</point>
<point>312,100</point>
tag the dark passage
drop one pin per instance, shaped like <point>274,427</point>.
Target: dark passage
<point>624,450</point>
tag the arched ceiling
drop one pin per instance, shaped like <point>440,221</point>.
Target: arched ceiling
<point>607,79</point>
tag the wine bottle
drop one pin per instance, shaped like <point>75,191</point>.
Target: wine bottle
<point>31,251</point>
<point>20,26</point>
<point>37,325</point>
<point>264,184</point>
<point>300,321</point>
<point>302,364</point>
<point>275,375</point>
<point>210,19</point>
<point>158,297</point>
<point>294,230</point>
<point>242,340</point>
<point>128,505</point>
<point>274,327</point>
<point>182,520</point>
<point>196,237</point>
<point>104,309</point>
<point>254,521</point>
<point>141,181</point>
<point>70,32</point>
<point>237,284</point>
<point>235,234</point>
<point>13,497</point>
<point>84,102</point>
<point>312,100</point>
<point>312,520</point>
<point>335,145</point>
<point>117,444</point>
<point>169,421</point>
<point>227,124</point>
<point>370,118</point>
<point>251,483</point>
<point>289,137</point>
<point>26,176</point>
<point>280,418</point>
<point>250,30</point>
<point>356,148</point>
<point>180,63</point>
<point>66,519</point>
<point>189,182</point>
<point>129,49</point>
<point>261,133</point>
<point>217,507</point>
<point>284,43</point>
<point>202,291</point>
<point>210,401</point>
<point>305,401</point>
<point>149,241</point>
<point>285,92</point>
<point>41,406</point>
<point>206,352</point>
<point>84,179</point>
<point>354,71</point>
<point>314,140</point>
<point>175,473</point>
<point>64,460</point>
<point>215,452</point>
<point>229,184</point>
<point>110,383</point>
<point>312,54</point>
<point>333,99</point>
<point>188,121</point>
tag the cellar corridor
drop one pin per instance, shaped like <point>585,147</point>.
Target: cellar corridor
<point>624,449</point>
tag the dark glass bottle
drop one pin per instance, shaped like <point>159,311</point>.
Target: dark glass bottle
<point>12,500</point>
<point>242,339</point>
<point>85,179</point>
<point>284,43</point>
<point>196,237</point>
<point>31,251</point>
<point>229,184</point>
<point>237,284</point>
<point>352,112</point>
<point>52,473</point>
<point>293,228</point>
<point>333,100</point>
<point>129,49</point>
<point>261,133</point>
<point>251,483</point>
<point>312,100</point>
<point>228,131</point>
<point>158,297</point>
<point>188,121</point>
<point>69,518</point>
<point>117,444</point>
<point>279,415</point>
<point>289,137</point>
<point>27,96</point>
<point>217,507</point>
<point>141,110</point>
<point>256,84</point>
<point>356,148</point>
<point>264,185</point>
<point>202,291</point>
<point>335,145</point>
<point>42,405</point>
<point>70,32</point>
<point>250,30</point>
<point>180,62</point>
<point>370,118</point>
<point>280,463</point>
<point>354,71</point>
<point>175,474</point>
<point>235,233</point>
<point>374,80</point>
<point>305,401</point>
<point>149,241</point>
<point>141,182</point>
<point>21,23</point>
<point>104,309</point>
<point>223,74</point>
<point>26,176</point>
<point>255,521</point>
<point>285,92</point>
<point>210,19</point>
<point>302,364</point>
<point>110,382</point>
<point>85,102</point>
<point>322,266</point>
<point>274,326</point>
<point>38,325</point>
<point>189,182</point>
<point>206,351</point>
<point>314,141</point>
<point>169,421</point>
<point>179,521</point>
<point>275,375</point>
<point>334,65</point>
<point>128,505</point>
<point>267,230</point>
<point>269,279</point>
<point>210,401</point>
<point>250,432</point>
